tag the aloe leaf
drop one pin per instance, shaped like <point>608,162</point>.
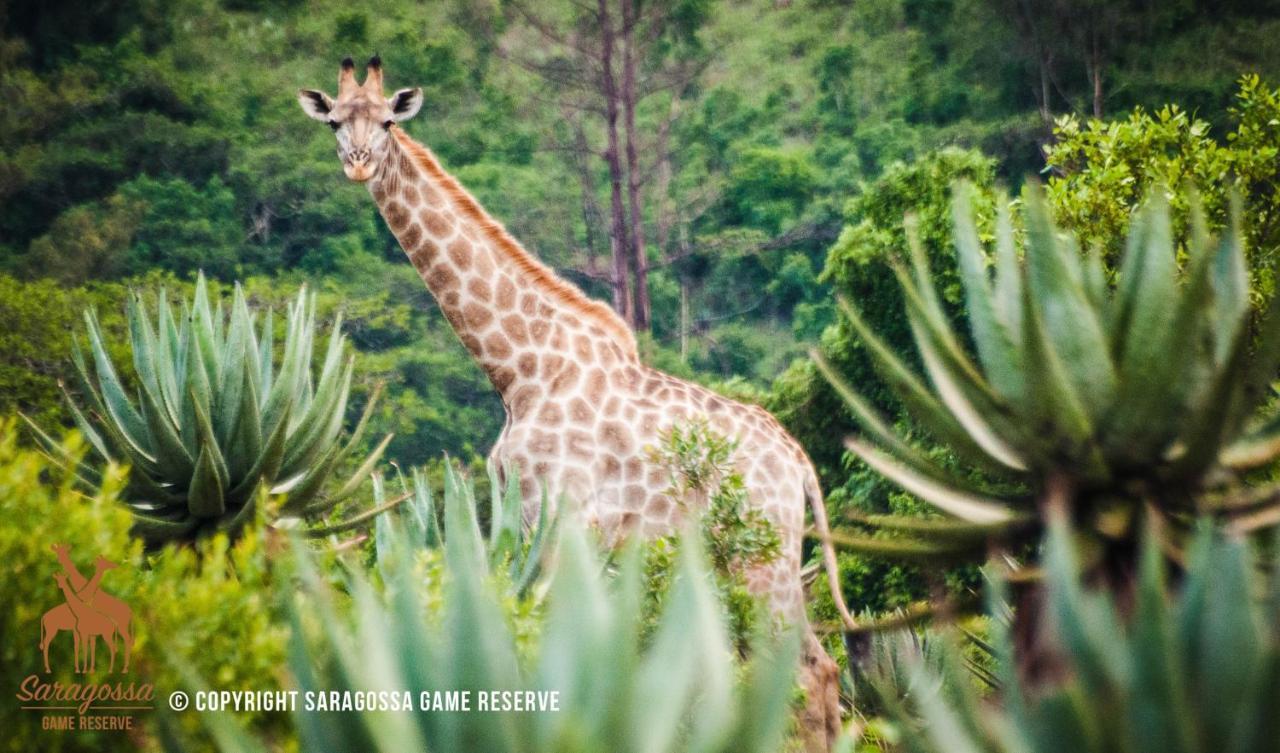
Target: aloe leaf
<point>304,487</point>
<point>544,535</point>
<point>171,454</point>
<point>1087,623</point>
<point>919,402</point>
<point>265,346</point>
<point>1230,279</point>
<point>143,343</point>
<point>1158,392</point>
<point>129,424</point>
<point>353,483</point>
<point>245,443</point>
<point>967,507</point>
<point>1073,327</point>
<point>155,530</point>
<point>209,445</point>
<point>1008,283</point>
<point>1159,710</point>
<point>231,367</point>
<point>908,549</point>
<point>202,319</point>
<point>319,431</point>
<point>872,422</point>
<point>1230,638</point>
<point>942,724</point>
<point>1052,402</point>
<point>247,511</point>
<point>267,465</point>
<point>945,529</point>
<point>82,423</point>
<point>424,508</point>
<point>357,520</point>
<point>995,344</point>
<point>1208,426</point>
<point>204,497</point>
<point>956,386</point>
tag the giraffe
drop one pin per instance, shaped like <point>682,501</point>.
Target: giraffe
<point>90,623</point>
<point>62,618</point>
<point>117,610</point>
<point>581,408</point>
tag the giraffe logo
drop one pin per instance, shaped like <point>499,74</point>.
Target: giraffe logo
<point>88,613</point>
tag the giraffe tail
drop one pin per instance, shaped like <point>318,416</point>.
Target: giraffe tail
<point>813,492</point>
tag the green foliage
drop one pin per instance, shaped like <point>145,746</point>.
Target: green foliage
<point>679,691</point>
<point>211,607</point>
<point>1101,171</point>
<point>735,535</point>
<point>1073,402</point>
<point>35,349</point>
<point>217,426</point>
<point>1193,666</point>
<point>517,551</point>
<point>858,268</point>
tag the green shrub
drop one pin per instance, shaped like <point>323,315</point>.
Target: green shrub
<point>212,607</point>
<point>1100,172</point>
<point>735,535</point>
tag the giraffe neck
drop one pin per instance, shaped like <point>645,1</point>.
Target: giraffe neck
<point>522,323</point>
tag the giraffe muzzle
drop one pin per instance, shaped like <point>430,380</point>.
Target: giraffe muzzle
<point>359,171</point>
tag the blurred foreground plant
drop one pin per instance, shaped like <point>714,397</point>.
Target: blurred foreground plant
<point>215,422</point>
<point>512,548</point>
<point>680,690</point>
<point>1101,400</point>
<point>1194,669</point>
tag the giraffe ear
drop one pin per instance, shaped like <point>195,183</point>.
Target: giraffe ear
<point>316,104</point>
<point>405,103</point>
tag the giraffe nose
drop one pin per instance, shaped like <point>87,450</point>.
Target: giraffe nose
<point>359,155</point>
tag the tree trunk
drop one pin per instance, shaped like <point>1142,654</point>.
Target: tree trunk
<point>636,252</point>
<point>591,215</point>
<point>1095,73</point>
<point>619,241</point>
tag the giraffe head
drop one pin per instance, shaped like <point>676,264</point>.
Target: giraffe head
<point>361,117</point>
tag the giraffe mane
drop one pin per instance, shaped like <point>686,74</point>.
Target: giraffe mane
<point>563,290</point>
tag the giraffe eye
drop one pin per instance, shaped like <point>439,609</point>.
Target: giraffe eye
<point>387,125</point>
<point>335,125</point>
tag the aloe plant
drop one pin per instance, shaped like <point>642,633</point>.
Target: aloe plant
<point>679,691</point>
<point>1196,668</point>
<point>1102,398</point>
<point>215,426</point>
<point>511,547</point>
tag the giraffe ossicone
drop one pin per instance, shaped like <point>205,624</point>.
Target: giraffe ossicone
<point>581,407</point>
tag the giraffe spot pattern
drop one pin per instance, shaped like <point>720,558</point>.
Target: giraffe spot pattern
<point>437,223</point>
<point>479,288</point>
<point>496,346</point>
<point>460,253</point>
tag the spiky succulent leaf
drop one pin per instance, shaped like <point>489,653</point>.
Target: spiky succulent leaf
<point>213,421</point>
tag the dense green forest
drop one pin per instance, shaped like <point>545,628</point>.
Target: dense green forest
<point>767,154</point>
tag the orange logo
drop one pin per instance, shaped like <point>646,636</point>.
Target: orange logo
<point>88,613</point>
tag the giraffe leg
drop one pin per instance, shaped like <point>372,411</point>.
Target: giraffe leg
<point>820,678</point>
<point>819,675</point>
